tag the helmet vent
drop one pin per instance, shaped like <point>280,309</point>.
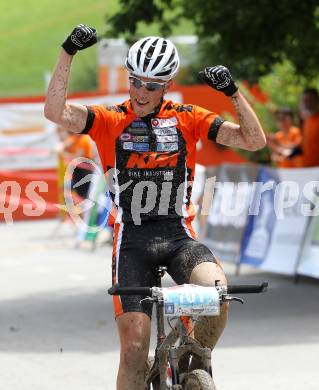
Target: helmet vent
<point>149,54</point>
<point>139,52</point>
<point>171,57</point>
<point>160,56</point>
<point>167,72</point>
<point>129,65</point>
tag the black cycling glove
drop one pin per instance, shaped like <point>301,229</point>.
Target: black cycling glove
<point>80,38</point>
<point>219,78</point>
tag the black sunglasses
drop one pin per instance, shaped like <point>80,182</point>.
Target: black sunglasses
<point>149,85</point>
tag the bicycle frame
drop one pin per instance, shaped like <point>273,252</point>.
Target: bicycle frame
<point>166,349</point>
<point>177,347</point>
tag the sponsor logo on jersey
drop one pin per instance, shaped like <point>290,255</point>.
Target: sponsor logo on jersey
<point>167,147</point>
<point>136,130</point>
<point>141,147</point>
<point>126,137</point>
<point>167,138</point>
<point>140,138</point>
<point>114,108</point>
<point>152,160</point>
<point>166,131</point>
<point>128,145</point>
<point>165,173</point>
<point>138,123</point>
<point>164,122</point>
<point>136,146</point>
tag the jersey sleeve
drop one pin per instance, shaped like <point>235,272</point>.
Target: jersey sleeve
<point>206,124</point>
<point>103,123</point>
<point>98,123</point>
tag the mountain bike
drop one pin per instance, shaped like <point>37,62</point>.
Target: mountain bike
<point>180,361</point>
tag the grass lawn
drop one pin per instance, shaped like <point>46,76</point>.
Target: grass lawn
<point>31,33</point>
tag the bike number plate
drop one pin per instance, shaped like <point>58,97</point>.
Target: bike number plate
<point>190,300</point>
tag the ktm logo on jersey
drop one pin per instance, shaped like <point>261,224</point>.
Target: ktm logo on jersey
<point>152,160</point>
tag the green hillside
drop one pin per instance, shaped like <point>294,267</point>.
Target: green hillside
<point>31,32</point>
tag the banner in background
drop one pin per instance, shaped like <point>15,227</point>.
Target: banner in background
<point>258,233</point>
<point>309,259</point>
<point>225,223</point>
<point>28,139</point>
<point>28,195</point>
<point>275,235</point>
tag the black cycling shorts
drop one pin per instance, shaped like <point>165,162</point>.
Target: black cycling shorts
<point>138,249</point>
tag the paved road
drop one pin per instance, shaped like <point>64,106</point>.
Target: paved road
<point>57,329</point>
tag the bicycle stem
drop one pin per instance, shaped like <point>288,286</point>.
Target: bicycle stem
<point>159,309</point>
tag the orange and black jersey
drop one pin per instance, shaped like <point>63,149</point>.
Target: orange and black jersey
<point>152,159</point>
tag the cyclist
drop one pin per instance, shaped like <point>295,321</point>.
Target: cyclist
<point>148,146</point>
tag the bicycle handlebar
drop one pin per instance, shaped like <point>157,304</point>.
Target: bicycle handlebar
<point>117,290</point>
<point>247,289</point>
<point>147,291</point>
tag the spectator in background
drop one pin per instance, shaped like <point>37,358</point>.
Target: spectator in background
<point>309,112</point>
<point>285,140</point>
<point>73,146</point>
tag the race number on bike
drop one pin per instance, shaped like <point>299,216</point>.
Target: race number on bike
<point>190,300</point>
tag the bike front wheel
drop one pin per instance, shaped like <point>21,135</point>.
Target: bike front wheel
<point>198,380</point>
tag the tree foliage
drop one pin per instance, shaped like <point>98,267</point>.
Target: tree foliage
<point>249,36</point>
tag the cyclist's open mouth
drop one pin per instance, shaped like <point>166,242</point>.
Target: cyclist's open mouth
<point>140,103</point>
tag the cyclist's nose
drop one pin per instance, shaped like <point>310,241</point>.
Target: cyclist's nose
<point>142,91</point>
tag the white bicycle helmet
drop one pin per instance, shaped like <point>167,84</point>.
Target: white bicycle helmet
<point>154,58</point>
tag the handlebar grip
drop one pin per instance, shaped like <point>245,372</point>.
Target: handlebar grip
<point>247,289</point>
<point>117,290</point>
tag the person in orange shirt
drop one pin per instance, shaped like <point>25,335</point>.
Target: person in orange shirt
<point>286,139</point>
<point>73,146</point>
<point>79,146</point>
<point>309,111</point>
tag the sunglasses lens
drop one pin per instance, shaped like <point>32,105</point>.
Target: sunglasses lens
<point>137,83</point>
<point>152,86</point>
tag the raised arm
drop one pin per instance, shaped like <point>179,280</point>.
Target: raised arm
<point>71,116</point>
<point>248,134</point>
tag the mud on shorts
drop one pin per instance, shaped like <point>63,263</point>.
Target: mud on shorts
<point>139,249</point>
